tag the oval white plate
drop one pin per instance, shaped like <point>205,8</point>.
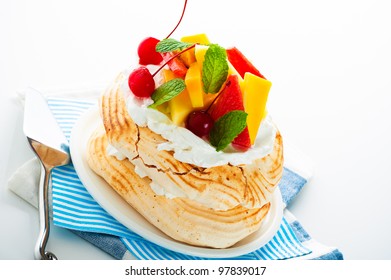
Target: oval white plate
<point>125,214</point>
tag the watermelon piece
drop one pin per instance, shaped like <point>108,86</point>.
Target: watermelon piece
<point>176,65</point>
<point>241,63</point>
<point>231,99</point>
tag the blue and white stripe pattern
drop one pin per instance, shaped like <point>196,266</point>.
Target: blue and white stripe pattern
<point>284,245</point>
<point>75,209</point>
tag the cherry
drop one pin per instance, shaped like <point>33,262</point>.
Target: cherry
<point>147,52</point>
<point>141,82</point>
<point>200,123</point>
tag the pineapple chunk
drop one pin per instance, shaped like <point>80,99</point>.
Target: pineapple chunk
<point>180,106</point>
<point>194,85</point>
<point>255,94</point>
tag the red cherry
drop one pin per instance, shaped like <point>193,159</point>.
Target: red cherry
<point>200,123</point>
<point>141,82</point>
<point>147,52</point>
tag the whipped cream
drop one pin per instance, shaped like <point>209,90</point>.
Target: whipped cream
<point>188,147</point>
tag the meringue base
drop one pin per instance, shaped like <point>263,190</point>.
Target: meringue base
<point>180,218</point>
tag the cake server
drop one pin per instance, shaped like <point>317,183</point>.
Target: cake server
<point>51,147</point>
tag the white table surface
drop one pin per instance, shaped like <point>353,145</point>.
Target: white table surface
<point>329,61</point>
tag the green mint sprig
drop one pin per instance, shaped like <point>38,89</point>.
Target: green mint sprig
<point>167,91</point>
<point>226,128</point>
<point>169,45</point>
<point>214,69</point>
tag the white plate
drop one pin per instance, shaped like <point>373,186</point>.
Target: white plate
<point>125,214</point>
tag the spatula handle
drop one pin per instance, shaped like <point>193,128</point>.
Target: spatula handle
<point>40,252</point>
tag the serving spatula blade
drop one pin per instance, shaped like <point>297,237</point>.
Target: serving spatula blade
<point>51,147</point>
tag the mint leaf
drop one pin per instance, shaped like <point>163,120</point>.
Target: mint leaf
<point>167,91</point>
<point>226,128</point>
<point>169,45</point>
<point>214,69</point>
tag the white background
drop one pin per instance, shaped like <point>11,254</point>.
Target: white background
<point>329,61</point>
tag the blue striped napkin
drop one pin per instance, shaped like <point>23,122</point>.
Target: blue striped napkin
<point>75,209</point>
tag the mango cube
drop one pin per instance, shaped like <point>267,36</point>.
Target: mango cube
<point>180,106</point>
<point>200,51</point>
<point>168,75</point>
<point>193,83</point>
<point>255,94</point>
<point>209,98</point>
<point>189,57</point>
<point>196,38</point>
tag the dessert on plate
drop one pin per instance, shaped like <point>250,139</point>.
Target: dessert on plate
<point>187,142</point>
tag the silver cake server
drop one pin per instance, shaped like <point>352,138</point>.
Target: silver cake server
<point>51,147</point>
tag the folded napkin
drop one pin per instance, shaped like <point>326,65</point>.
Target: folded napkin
<point>75,209</point>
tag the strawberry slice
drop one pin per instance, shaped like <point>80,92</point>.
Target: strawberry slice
<point>241,63</point>
<point>176,65</point>
<point>231,99</point>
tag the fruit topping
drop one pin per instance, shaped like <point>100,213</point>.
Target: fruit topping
<point>231,99</point>
<point>200,123</point>
<point>175,64</point>
<point>141,82</point>
<point>196,39</point>
<point>189,57</point>
<point>255,94</point>
<point>216,93</point>
<point>147,52</point>
<point>194,85</point>
<point>241,63</point>
<point>199,52</point>
<point>180,106</point>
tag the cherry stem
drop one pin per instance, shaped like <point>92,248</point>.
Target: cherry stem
<point>171,58</point>
<point>183,12</point>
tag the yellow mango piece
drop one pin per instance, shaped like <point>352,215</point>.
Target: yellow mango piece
<point>208,99</point>
<point>194,85</point>
<point>180,106</point>
<point>255,94</point>
<point>163,108</point>
<point>196,38</point>
<point>200,51</point>
<point>168,75</point>
<point>189,57</point>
